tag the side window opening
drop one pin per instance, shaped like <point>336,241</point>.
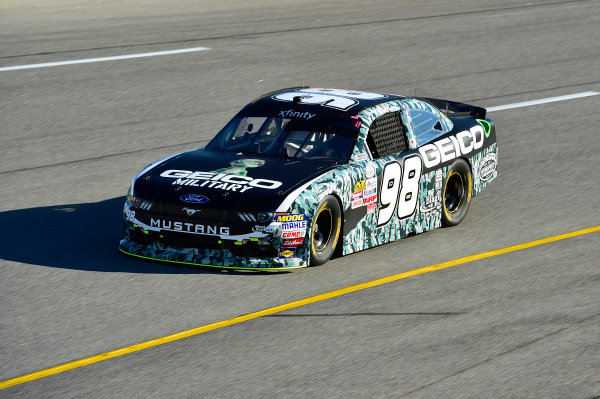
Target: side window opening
<point>386,135</point>
<point>426,126</point>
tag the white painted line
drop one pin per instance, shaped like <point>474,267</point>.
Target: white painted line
<point>542,101</point>
<point>101,59</point>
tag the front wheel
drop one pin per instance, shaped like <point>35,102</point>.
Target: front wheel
<point>325,230</point>
<point>457,193</point>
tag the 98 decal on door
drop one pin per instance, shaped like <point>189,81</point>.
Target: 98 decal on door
<point>399,189</point>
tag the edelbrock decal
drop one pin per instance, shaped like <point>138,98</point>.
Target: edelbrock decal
<point>194,198</point>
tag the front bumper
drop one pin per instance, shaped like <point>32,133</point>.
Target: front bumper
<point>257,250</point>
<point>221,258</point>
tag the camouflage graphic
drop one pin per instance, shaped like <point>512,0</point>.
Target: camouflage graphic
<point>238,166</point>
<point>486,160</point>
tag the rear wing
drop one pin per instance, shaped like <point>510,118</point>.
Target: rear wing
<point>453,108</point>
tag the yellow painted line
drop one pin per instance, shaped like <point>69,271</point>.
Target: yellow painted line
<point>291,305</point>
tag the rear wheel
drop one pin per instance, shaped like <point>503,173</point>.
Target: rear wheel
<point>325,230</point>
<point>457,193</point>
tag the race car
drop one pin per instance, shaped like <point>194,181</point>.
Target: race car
<point>302,174</point>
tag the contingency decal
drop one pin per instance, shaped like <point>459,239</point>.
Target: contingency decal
<point>433,200</point>
<point>293,225</point>
<point>484,167</point>
<point>287,253</point>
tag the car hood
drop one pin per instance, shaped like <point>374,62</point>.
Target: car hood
<point>225,180</point>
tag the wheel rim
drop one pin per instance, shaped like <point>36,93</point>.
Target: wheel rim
<point>455,192</point>
<point>323,229</point>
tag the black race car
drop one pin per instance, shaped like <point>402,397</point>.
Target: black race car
<point>302,173</point>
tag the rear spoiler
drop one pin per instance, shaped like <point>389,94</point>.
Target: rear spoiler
<point>453,108</point>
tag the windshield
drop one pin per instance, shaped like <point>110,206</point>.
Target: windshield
<point>282,137</point>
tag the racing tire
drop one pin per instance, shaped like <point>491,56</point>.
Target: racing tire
<point>325,230</point>
<point>456,196</point>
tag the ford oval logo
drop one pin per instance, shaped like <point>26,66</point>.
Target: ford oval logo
<point>194,198</point>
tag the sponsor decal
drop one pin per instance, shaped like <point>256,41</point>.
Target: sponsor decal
<point>370,171</point>
<point>360,185</point>
<point>362,156</point>
<point>296,242</point>
<point>357,203</point>
<point>433,201</point>
<point>293,234</point>
<point>487,166</point>
<point>448,148</point>
<point>429,204</point>
<point>371,208</point>
<point>259,228</point>
<point>372,183</point>
<point>193,228</point>
<point>438,182</point>
<point>222,181</point>
<point>190,211</point>
<point>194,198</point>
<point>290,217</point>
<point>290,113</point>
<point>370,191</point>
<point>371,199</point>
<point>356,195</point>
<point>287,226</point>
<point>286,253</point>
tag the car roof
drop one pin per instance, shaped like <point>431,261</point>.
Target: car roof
<point>316,99</point>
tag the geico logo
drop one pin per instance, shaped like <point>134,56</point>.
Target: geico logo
<point>190,227</point>
<point>290,218</point>
<point>220,180</point>
<point>451,147</point>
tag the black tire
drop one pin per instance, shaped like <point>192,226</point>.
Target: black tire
<point>325,230</point>
<point>456,196</point>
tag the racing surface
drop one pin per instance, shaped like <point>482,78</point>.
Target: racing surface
<point>521,324</point>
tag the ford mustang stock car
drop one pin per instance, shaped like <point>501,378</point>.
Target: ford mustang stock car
<point>301,174</point>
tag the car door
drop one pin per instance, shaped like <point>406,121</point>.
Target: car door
<point>409,197</point>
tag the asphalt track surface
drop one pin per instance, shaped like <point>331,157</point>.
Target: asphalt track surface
<point>524,324</point>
